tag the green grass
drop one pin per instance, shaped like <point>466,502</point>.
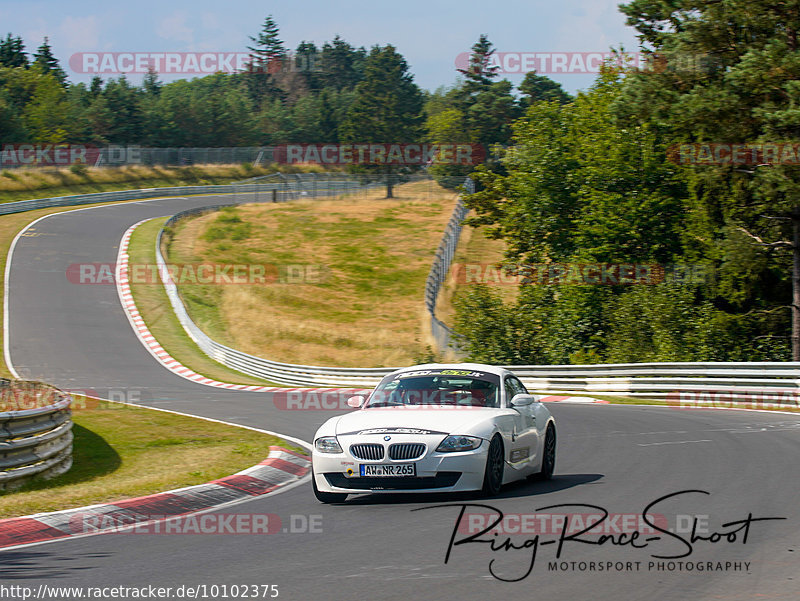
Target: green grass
<point>153,304</point>
<point>122,451</point>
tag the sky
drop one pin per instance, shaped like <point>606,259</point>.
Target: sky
<point>429,34</point>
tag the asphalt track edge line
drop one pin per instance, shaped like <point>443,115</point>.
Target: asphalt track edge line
<point>10,256</point>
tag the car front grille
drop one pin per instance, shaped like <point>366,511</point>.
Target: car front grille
<point>406,450</point>
<point>367,451</point>
<point>440,480</point>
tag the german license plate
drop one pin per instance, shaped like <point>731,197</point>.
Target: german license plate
<point>388,471</point>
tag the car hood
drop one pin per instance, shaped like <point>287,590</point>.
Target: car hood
<point>431,420</point>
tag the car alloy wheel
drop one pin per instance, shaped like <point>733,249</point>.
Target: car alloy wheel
<point>549,458</point>
<point>493,477</point>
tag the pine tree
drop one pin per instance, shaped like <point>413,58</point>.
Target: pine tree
<point>269,52</point>
<point>479,74</point>
<point>387,108</point>
<point>47,61</point>
<point>12,52</point>
<point>342,65</point>
<point>538,87</point>
<point>151,85</point>
<point>266,62</point>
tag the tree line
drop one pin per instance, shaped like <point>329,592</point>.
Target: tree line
<point>331,93</point>
<point>610,178</point>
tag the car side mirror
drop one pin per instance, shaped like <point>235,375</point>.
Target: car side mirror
<point>355,401</point>
<point>522,400</point>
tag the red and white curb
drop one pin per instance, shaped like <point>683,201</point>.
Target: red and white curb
<point>163,357</point>
<point>280,469</point>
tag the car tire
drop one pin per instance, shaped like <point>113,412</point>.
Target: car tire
<point>327,497</point>
<point>493,474</point>
<point>548,454</point>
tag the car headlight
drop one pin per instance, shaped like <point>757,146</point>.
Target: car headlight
<point>328,444</point>
<point>452,444</point>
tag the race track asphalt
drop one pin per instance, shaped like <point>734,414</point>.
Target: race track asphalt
<point>618,458</point>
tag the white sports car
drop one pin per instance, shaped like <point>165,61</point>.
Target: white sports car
<point>435,428</point>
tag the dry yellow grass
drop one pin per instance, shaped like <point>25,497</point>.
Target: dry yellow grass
<point>373,254</point>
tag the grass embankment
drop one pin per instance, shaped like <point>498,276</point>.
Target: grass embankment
<point>121,451</point>
<point>24,184</point>
<point>350,276</point>
<point>153,304</point>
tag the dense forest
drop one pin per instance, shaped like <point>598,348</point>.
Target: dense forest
<point>595,181</point>
<point>333,93</point>
<point>569,181</point>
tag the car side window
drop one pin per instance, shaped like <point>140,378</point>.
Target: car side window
<point>513,387</point>
<point>519,386</point>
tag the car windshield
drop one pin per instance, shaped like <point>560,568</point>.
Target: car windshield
<point>446,388</point>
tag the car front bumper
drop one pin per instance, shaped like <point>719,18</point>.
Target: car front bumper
<point>435,472</point>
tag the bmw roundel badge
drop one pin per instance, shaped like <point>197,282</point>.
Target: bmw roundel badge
<point>387,437</point>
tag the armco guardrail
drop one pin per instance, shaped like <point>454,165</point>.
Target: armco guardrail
<point>82,199</point>
<point>36,435</point>
<point>442,335</point>
<point>281,187</point>
<point>663,380</point>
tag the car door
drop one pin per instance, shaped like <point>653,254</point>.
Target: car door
<point>525,443</point>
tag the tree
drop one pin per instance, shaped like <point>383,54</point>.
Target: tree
<point>307,62</point>
<point>479,74</point>
<point>728,73</point>
<point>328,122</point>
<point>151,85</point>
<point>12,52</point>
<point>12,129</point>
<point>387,108</point>
<point>538,87</point>
<point>47,61</point>
<point>487,107</point>
<point>96,86</point>
<point>45,113</point>
<point>448,126</point>
<point>269,52</point>
<point>342,66</point>
<point>267,56</point>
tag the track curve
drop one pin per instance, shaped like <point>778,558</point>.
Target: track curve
<point>617,457</point>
